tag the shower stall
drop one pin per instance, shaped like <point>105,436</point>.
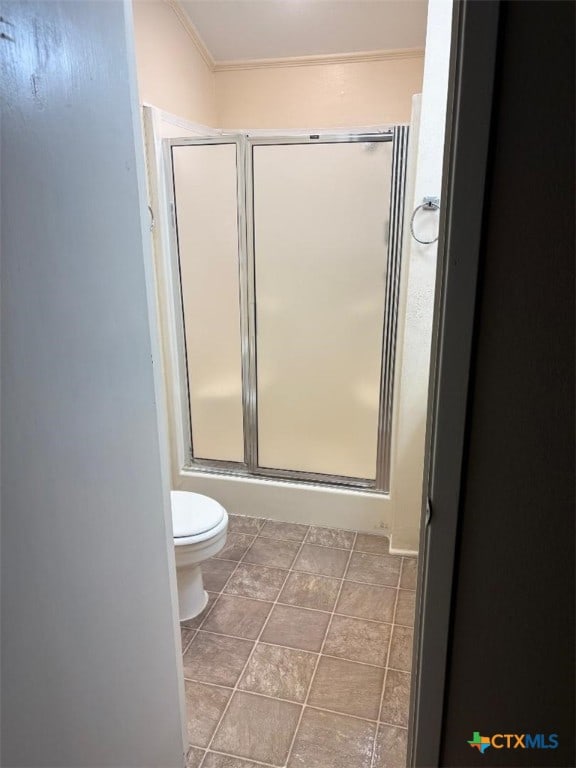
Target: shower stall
<point>285,261</point>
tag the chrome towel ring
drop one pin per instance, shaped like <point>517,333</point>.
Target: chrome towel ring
<point>428,204</point>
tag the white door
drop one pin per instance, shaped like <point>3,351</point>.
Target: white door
<point>90,650</point>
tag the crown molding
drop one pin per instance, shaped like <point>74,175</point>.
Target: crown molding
<point>192,33</point>
<point>311,61</point>
<point>290,61</point>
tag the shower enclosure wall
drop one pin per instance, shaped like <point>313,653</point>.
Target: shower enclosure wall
<point>285,260</point>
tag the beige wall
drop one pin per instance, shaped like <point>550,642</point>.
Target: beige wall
<point>320,95</point>
<point>172,75</point>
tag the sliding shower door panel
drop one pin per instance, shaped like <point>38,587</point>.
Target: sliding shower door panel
<point>320,240</point>
<point>208,241</point>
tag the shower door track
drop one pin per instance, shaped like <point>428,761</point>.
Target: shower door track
<point>250,467</point>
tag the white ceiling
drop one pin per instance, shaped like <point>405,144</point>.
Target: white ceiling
<point>264,29</point>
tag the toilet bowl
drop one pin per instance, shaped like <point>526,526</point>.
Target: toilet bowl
<point>199,525</point>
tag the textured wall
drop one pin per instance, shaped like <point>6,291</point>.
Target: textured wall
<point>172,75</point>
<point>319,96</point>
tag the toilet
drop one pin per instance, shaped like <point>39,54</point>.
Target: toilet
<point>199,524</point>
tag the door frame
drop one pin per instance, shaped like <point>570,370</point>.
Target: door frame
<point>469,112</point>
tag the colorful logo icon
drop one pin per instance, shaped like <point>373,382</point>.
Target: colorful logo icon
<point>481,743</point>
<point>513,741</point>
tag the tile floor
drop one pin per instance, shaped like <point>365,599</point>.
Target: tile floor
<point>302,657</point>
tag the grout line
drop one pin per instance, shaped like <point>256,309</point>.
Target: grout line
<point>320,610</point>
<point>243,759</point>
<point>372,764</point>
<point>285,701</point>
<point>312,678</point>
<point>320,546</point>
<point>235,689</point>
<point>311,544</point>
<point>301,650</point>
<point>316,610</point>
<point>278,538</point>
<point>290,701</point>
<point>261,520</point>
<point>221,592</point>
<point>271,765</point>
<point>248,533</point>
<point>208,609</point>
<point>403,671</point>
<point>250,536</point>
<point>264,520</point>
<point>392,725</point>
<point>312,573</point>
<point>211,685</point>
<point>194,633</point>
<point>298,650</point>
<point>326,546</point>
<point>404,559</point>
<point>277,601</point>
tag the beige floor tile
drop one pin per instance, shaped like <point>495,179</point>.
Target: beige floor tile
<point>358,640</point>
<point>197,620</point>
<point>347,687</point>
<point>236,545</point>
<point>375,545</point>
<point>257,728</point>
<point>390,749</point>
<point>194,757</point>
<point>287,531</point>
<point>367,601</point>
<point>280,672</point>
<point>326,740</point>
<point>238,616</point>
<point>216,573</point>
<point>186,635</point>
<point>330,537</point>
<point>214,760</point>
<point>241,524</point>
<point>310,591</point>
<point>215,658</point>
<point>372,620</point>
<point>409,573</point>
<point>277,554</point>
<point>401,648</point>
<point>296,627</point>
<point>204,707</point>
<point>374,569</point>
<point>405,608</point>
<point>322,560</point>
<point>256,581</point>
<point>396,698</point>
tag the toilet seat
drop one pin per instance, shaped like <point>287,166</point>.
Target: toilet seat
<point>195,517</point>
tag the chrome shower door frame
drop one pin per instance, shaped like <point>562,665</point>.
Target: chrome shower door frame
<point>193,461</point>
<point>246,265</point>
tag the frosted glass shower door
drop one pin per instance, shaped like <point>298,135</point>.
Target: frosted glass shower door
<point>206,207</point>
<point>321,214</point>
